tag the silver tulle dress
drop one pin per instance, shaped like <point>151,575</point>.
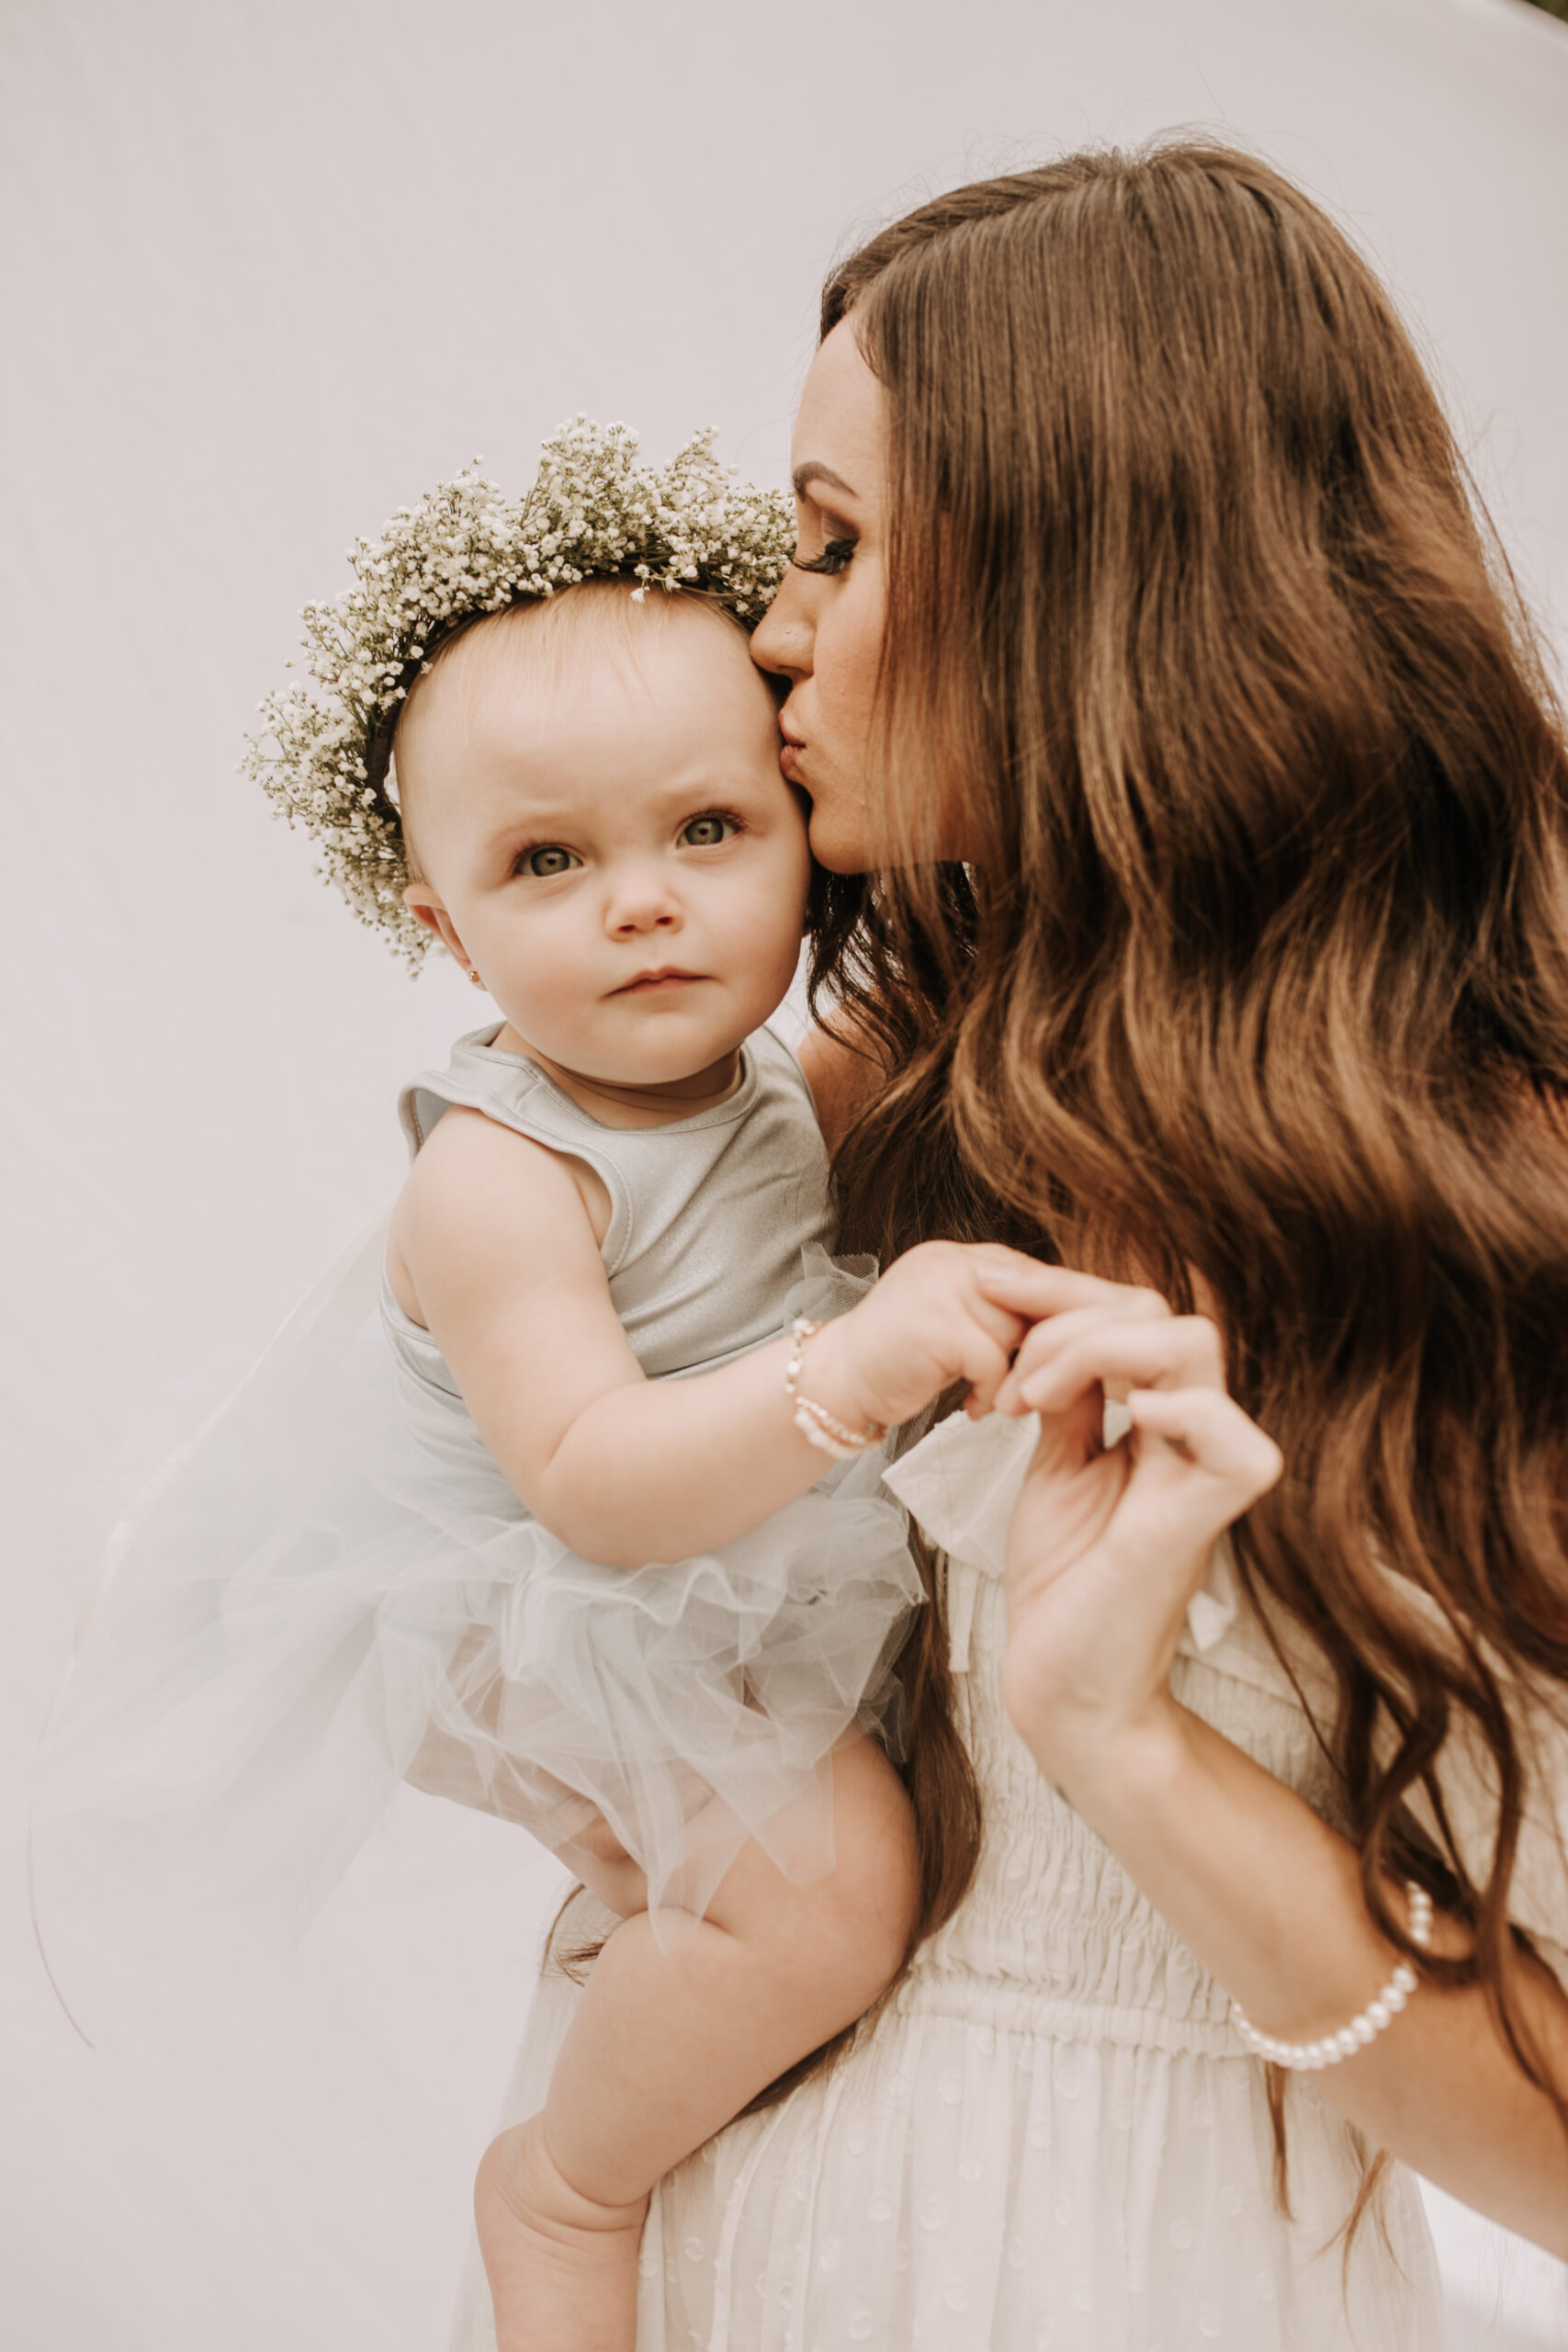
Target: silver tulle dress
<point>335,1581</point>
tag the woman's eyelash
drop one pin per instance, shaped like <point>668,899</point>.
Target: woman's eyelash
<point>833,558</point>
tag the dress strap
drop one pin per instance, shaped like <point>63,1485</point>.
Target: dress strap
<point>963,1590</point>
<point>516,1094</point>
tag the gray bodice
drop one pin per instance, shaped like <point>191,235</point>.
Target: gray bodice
<point>715,1219</point>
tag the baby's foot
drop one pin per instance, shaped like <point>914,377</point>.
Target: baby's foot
<point>562,2270</point>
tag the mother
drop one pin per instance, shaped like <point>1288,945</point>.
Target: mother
<point>1144,644</point>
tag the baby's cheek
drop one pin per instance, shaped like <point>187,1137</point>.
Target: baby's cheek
<point>768,940</point>
<point>552,993</point>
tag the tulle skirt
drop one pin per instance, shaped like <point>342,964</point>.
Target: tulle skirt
<point>333,1587</point>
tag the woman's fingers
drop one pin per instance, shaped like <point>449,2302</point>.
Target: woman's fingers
<point>1060,1360</point>
<point>1045,1341</point>
<point>1209,1429</point>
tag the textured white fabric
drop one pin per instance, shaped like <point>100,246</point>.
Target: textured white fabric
<point>960,1483</point>
<point>1052,2141</point>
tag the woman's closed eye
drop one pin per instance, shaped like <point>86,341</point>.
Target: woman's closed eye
<point>545,860</point>
<point>834,558</point>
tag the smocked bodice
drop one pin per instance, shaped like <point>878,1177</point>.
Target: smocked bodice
<point>1054,1936</point>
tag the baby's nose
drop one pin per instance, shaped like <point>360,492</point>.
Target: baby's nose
<point>643,902</point>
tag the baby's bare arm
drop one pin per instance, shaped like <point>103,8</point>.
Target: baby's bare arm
<point>505,1273</point>
<point>496,1247</point>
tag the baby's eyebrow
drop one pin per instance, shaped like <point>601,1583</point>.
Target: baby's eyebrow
<point>532,822</point>
<point>814,470</point>
<point>681,794</point>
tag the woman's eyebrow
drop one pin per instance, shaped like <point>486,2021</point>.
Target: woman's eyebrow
<point>804,476</point>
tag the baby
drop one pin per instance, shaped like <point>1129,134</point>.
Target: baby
<point>585,1523</point>
<point>619,1184</point>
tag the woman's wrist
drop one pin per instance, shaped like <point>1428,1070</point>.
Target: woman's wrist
<point>1115,1770</point>
<point>1262,1889</point>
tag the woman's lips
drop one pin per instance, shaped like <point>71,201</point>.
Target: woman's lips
<point>789,755</point>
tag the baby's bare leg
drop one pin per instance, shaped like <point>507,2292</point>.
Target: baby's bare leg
<point>666,2047</point>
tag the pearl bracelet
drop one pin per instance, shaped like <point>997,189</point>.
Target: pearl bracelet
<point>816,1423</point>
<point>1307,2057</point>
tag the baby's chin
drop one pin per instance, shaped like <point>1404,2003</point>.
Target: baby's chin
<point>669,1063</point>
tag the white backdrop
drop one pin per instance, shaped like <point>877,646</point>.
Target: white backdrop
<point>270,267</point>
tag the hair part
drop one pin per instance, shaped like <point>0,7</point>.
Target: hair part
<point>1263,973</point>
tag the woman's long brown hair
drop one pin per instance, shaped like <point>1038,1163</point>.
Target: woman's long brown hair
<point>1262,973</point>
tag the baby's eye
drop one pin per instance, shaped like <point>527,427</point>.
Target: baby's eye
<point>707,832</point>
<point>548,861</point>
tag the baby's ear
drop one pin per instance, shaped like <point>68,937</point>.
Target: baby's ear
<point>425,906</point>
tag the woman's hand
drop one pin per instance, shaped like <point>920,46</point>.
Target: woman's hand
<point>1105,1550</point>
<point>1108,1545</point>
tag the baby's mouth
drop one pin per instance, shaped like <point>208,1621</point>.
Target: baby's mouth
<point>667,976</point>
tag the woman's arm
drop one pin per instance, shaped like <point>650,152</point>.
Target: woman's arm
<point>1269,1899</point>
<point>1106,1549</point>
<point>499,1257</point>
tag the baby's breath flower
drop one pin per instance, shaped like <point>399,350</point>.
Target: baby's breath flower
<point>594,513</point>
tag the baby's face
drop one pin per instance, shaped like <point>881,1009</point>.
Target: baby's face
<point>606,837</point>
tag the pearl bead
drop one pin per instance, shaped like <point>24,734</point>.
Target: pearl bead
<point>1309,2056</point>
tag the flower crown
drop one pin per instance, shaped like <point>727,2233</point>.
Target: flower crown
<point>323,753</point>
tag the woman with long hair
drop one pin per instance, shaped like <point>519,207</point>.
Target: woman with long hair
<point>1194,810</point>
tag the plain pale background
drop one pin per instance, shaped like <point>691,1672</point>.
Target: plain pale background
<point>270,270</point>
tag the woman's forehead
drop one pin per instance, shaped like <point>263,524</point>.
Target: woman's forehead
<point>837,450</point>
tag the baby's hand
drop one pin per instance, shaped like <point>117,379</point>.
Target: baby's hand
<point>926,1325</point>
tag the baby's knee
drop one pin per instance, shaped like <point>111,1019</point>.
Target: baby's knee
<point>605,1867</point>
<point>599,1842</point>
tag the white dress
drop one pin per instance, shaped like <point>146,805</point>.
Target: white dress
<point>1053,2140</point>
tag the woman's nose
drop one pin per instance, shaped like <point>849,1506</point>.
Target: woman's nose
<point>781,642</point>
